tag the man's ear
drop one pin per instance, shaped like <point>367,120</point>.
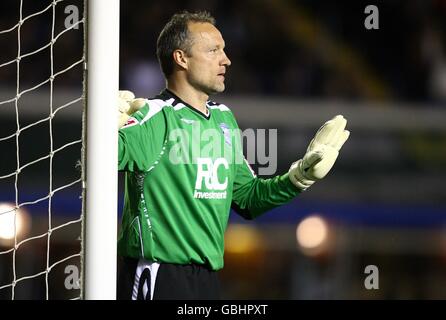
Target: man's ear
<point>180,58</point>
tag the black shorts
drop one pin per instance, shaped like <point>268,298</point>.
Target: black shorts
<point>145,280</point>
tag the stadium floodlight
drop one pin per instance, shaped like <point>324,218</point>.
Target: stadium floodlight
<point>13,222</point>
<point>312,234</point>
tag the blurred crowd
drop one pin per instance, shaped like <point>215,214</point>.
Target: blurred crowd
<point>305,49</point>
<point>405,56</point>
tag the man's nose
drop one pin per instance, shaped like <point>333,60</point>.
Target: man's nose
<point>226,61</point>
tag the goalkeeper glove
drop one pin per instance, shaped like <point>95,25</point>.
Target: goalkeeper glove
<point>127,105</point>
<point>321,153</point>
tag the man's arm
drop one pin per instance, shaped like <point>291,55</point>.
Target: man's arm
<point>141,133</point>
<point>253,196</point>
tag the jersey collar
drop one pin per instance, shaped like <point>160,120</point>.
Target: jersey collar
<point>166,92</point>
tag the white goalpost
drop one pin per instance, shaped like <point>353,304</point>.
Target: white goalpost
<point>40,182</point>
<point>102,140</point>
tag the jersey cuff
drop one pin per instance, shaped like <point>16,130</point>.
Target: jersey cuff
<point>287,185</point>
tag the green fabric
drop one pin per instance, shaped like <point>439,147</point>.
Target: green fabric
<point>178,213</point>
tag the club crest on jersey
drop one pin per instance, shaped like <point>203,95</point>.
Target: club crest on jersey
<point>226,133</point>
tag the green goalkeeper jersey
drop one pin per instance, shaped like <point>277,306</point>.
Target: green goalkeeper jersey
<point>184,170</point>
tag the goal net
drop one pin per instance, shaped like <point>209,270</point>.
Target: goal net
<point>43,143</point>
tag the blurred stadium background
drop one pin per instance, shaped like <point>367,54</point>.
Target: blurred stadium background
<point>295,64</point>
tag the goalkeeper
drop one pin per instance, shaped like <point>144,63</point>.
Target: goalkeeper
<point>176,207</point>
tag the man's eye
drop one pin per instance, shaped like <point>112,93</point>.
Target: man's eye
<point>214,50</point>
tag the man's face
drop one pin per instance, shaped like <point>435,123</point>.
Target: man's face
<point>207,61</point>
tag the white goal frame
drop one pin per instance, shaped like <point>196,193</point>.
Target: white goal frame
<point>101,183</point>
